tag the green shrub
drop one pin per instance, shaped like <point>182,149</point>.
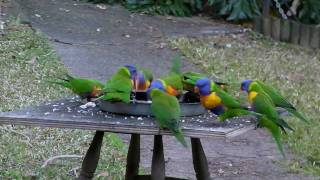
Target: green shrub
<point>232,10</point>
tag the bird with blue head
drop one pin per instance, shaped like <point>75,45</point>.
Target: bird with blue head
<point>210,100</point>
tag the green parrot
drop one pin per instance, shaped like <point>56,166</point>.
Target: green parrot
<point>85,88</point>
<point>173,80</point>
<point>166,110</point>
<point>263,104</point>
<point>274,94</point>
<point>213,97</point>
<point>119,86</point>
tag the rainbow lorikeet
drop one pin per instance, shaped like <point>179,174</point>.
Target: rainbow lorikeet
<point>166,110</point>
<point>83,87</point>
<point>173,81</point>
<point>214,98</point>
<point>274,94</point>
<point>140,82</point>
<point>161,84</point>
<point>140,77</point>
<point>119,86</point>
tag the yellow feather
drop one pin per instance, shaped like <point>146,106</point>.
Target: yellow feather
<point>211,101</point>
<point>251,96</point>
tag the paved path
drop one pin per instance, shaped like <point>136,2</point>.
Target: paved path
<point>94,42</point>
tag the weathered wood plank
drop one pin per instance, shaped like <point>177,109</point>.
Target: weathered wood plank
<point>315,37</point>
<point>133,157</point>
<point>257,24</point>
<point>266,23</point>
<point>285,30</point>
<point>90,161</point>
<point>158,165</point>
<point>304,35</point>
<point>266,8</point>
<point>295,32</point>
<point>275,28</point>
<point>68,114</point>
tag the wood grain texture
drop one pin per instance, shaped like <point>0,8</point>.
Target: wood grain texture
<point>304,35</point>
<point>275,28</point>
<point>68,114</point>
<point>295,32</point>
<point>266,25</point>
<point>285,30</point>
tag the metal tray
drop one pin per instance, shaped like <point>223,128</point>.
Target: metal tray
<point>143,108</point>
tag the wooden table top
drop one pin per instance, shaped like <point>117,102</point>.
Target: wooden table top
<point>67,113</point>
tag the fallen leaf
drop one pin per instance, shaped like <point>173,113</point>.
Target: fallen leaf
<point>102,6</point>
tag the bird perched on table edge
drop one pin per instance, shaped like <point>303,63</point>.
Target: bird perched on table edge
<point>83,87</point>
<point>215,99</point>
<point>274,94</point>
<point>166,110</point>
<point>119,86</point>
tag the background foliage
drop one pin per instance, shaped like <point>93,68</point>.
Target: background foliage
<point>232,10</point>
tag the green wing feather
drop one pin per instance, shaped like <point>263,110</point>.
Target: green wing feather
<point>173,80</point>
<point>166,110</point>
<point>119,86</point>
<point>275,95</point>
<point>230,113</point>
<point>274,130</point>
<point>277,99</point>
<point>227,99</point>
<point>264,105</point>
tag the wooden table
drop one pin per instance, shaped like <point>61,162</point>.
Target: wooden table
<point>68,114</point>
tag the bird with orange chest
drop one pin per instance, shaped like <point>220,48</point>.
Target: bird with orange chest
<point>162,85</point>
<point>210,100</point>
<point>219,102</point>
<point>140,83</point>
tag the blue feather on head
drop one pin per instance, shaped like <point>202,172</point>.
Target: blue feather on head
<point>132,69</point>
<point>204,86</point>
<point>156,84</point>
<point>245,85</point>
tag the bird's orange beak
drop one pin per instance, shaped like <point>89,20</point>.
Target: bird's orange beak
<point>196,90</point>
<point>172,91</point>
<point>96,91</point>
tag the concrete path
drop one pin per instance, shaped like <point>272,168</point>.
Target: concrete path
<point>94,42</point>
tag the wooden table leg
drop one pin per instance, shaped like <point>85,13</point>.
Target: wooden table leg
<point>90,161</point>
<point>133,157</point>
<point>158,164</point>
<point>200,163</point>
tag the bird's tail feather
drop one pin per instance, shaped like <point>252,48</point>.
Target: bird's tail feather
<point>284,124</point>
<point>297,114</point>
<point>180,138</point>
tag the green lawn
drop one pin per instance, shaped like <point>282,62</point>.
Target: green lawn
<point>295,71</point>
<point>26,59</point>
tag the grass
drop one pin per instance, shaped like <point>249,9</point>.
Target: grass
<point>294,71</point>
<point>26,59</point>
